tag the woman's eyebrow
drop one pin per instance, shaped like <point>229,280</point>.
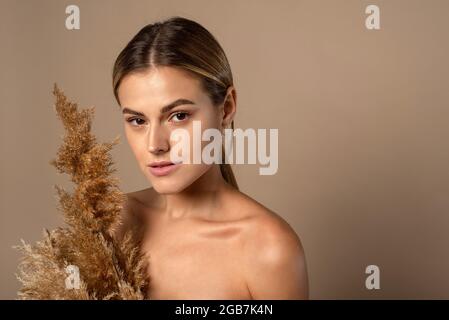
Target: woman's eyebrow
<point>165,109</point>
<point>128,110</point>
<point>175,104</point>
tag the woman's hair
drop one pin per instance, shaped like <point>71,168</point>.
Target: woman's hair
<point>183,43</point>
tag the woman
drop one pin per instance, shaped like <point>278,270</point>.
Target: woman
<point>204,238</point>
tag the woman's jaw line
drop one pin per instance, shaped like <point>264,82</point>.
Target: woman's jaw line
<point>201,199</point>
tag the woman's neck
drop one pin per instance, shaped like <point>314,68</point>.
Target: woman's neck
<point>202,199</point>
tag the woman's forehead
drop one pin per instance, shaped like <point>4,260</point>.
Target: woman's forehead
<point>159,87</point>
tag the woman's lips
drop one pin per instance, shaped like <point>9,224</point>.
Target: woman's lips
<point>163,170</point>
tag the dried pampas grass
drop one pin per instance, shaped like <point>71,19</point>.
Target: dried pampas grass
<point>110,267</point>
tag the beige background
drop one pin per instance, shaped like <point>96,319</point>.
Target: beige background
<point>362,116</point>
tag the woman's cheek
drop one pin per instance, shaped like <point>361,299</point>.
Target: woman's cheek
<point>138,149</point>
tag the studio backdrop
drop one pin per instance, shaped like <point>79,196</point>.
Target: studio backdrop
<point>357,90</point>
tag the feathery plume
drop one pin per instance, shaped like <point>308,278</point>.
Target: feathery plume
<point>110,267</point>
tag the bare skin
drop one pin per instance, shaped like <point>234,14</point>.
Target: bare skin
<point>204,239</point>
<point>241,250</point>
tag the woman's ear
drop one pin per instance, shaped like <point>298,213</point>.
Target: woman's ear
<point>229,107</point>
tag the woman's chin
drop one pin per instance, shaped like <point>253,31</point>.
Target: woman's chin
<point>166,190</point>
<point>177,181</point>
<point>168,187</point>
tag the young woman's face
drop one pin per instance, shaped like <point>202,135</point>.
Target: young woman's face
<point>148,124</point>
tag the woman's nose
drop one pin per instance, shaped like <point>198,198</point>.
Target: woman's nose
<point>157,140</point>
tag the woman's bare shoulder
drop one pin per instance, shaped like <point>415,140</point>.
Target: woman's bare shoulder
<point>273,251</point>
<point>260,216</point>
<point>133,209</point>
<point>264,226</point>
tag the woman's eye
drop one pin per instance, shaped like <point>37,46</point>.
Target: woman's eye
<point>138,122</point>
<point>179,116</point>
